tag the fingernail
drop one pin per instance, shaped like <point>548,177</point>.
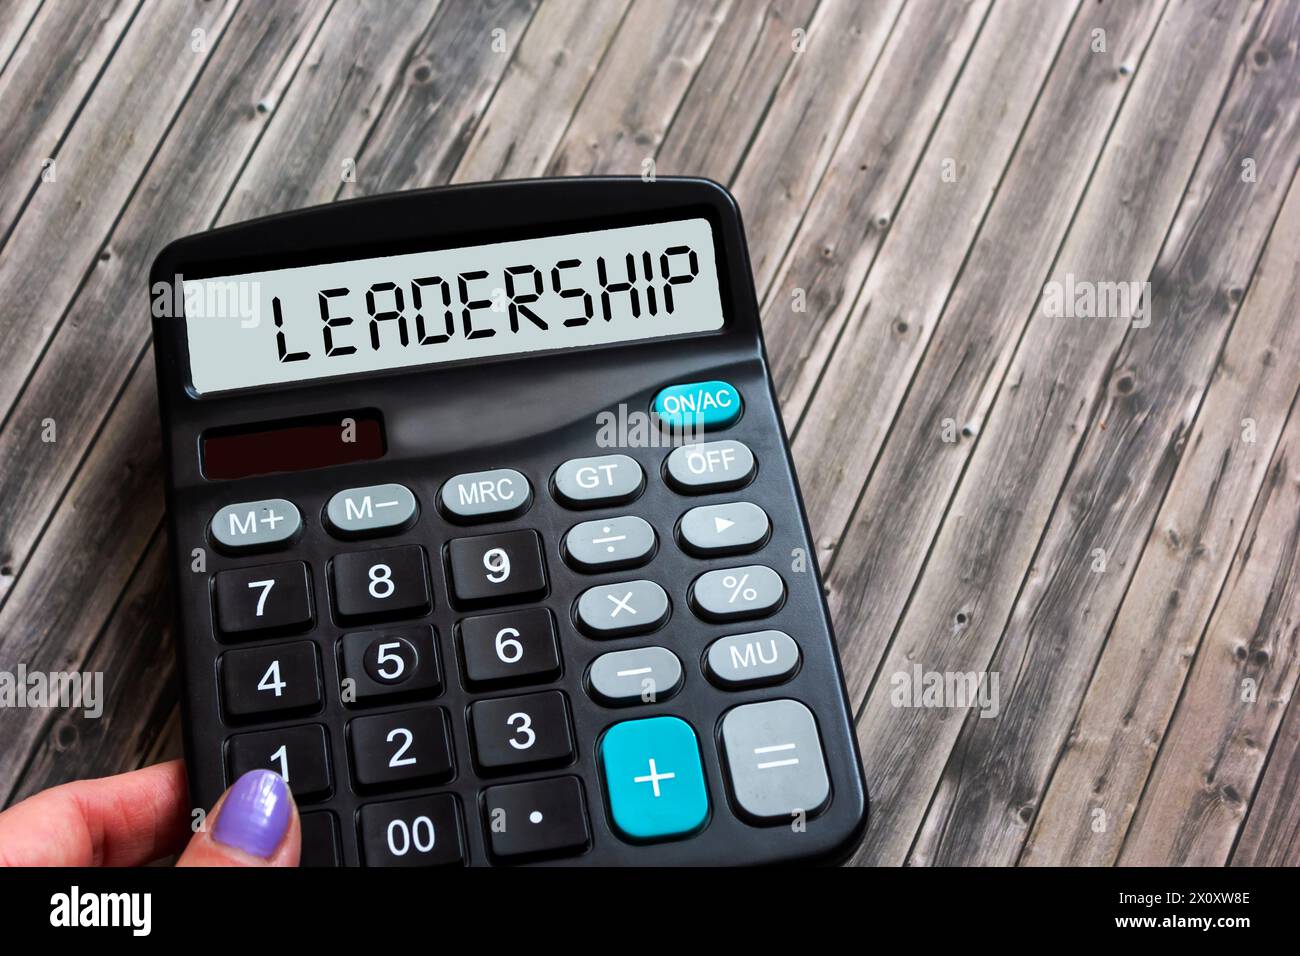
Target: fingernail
<point>256,814</point>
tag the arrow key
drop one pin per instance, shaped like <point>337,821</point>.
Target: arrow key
<point>735,528</point>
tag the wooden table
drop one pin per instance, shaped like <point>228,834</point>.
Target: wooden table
<point>1101,512</point>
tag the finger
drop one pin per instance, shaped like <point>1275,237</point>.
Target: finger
<point>126,820</point>
<point>255,823</point>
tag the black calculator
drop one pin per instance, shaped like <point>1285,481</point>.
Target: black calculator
<point>486,536</point>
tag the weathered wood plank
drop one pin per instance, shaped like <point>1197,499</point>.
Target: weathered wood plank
<point>1121,471</point>
<point>1240,686</point>
<point>77,573</point>
<point>916,472</point>
<point>1271,835</point>
<point>986,543</point>
<point>731,92</point>
<point>318,128</point>
<point>888,325</point>
<point>81,374</point>
<point>423,132</point>
<point>98,168</point>
<point>1112,745</point>
<point>43,87</point>
<point>818,282</point>
<point>638,88</point>
<point>808,117</point>
<point>559,55</point>
<point>15,20</point>
<point>140,693</point>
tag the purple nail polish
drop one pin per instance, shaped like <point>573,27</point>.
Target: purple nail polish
<point>256,814</point>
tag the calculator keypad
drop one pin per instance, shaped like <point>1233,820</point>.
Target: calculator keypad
<point>733,594</point>
<point>381,584</point>
<point>255,525</point>
<point>642,675</point>
<point>709,466</point>
<point>512,732</point>
<point>320,840</point>
<point>537,818</point>
<point>280,678</point>
<point>400,733</point>
<point>497,568</point>
<point>514,647</point>
<point>390,662</point>
<point>406,746</point>
<point>299,754</point>
<point>423,831</point>
<point>272,597</point>
<point>617,610</point>
<point>598,481</point>
<point>369,511</point>
<point>610,544</point>
<point>485,495</point>
<point>733,528</point>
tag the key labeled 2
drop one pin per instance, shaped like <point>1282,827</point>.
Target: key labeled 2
<point>491,568</point>
<point>401,747</point>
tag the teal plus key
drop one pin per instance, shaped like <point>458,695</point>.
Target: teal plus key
<point>654,778</point>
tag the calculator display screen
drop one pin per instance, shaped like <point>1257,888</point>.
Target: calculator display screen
<point>424,308</point>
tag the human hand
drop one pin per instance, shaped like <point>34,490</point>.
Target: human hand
<point>136,818</point>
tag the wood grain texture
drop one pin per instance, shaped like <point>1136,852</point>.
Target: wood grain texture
<point>873,568</point>
<point>733,90</point>
<point>1113,742</point>
<point>99,165</point>
<point>986,544</point>
<point>808,117</point>
<point>1271,835</point>
<point>638,88</point>
<point>1238,691</point>
<point>44,85</point>
<point>916,170</point>
<point>549,73</point>
<point>448,79</point>
<point>848,217</point>
<point>1084,560</point>
<point>15,20</point>
<point>879,339</point>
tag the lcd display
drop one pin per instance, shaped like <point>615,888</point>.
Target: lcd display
<point>363,315</point>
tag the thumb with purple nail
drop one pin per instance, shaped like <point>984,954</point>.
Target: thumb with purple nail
<point>255,823</point>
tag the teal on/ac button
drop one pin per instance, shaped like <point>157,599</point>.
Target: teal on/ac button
<point>654,778</point>
<point>698,405</point>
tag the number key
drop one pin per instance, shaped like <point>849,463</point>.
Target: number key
<point>514,647</point>
<point>513,731</point>
<point>408,745</point>
<point>422,831</point>
<point>299,754</point>
<point>259,680</point>
<point>391,662</point>
<point>272,597</point>
<point>386,583</point>
<point>497,567</point>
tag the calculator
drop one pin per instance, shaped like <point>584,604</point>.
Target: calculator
<point>485,533</point>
